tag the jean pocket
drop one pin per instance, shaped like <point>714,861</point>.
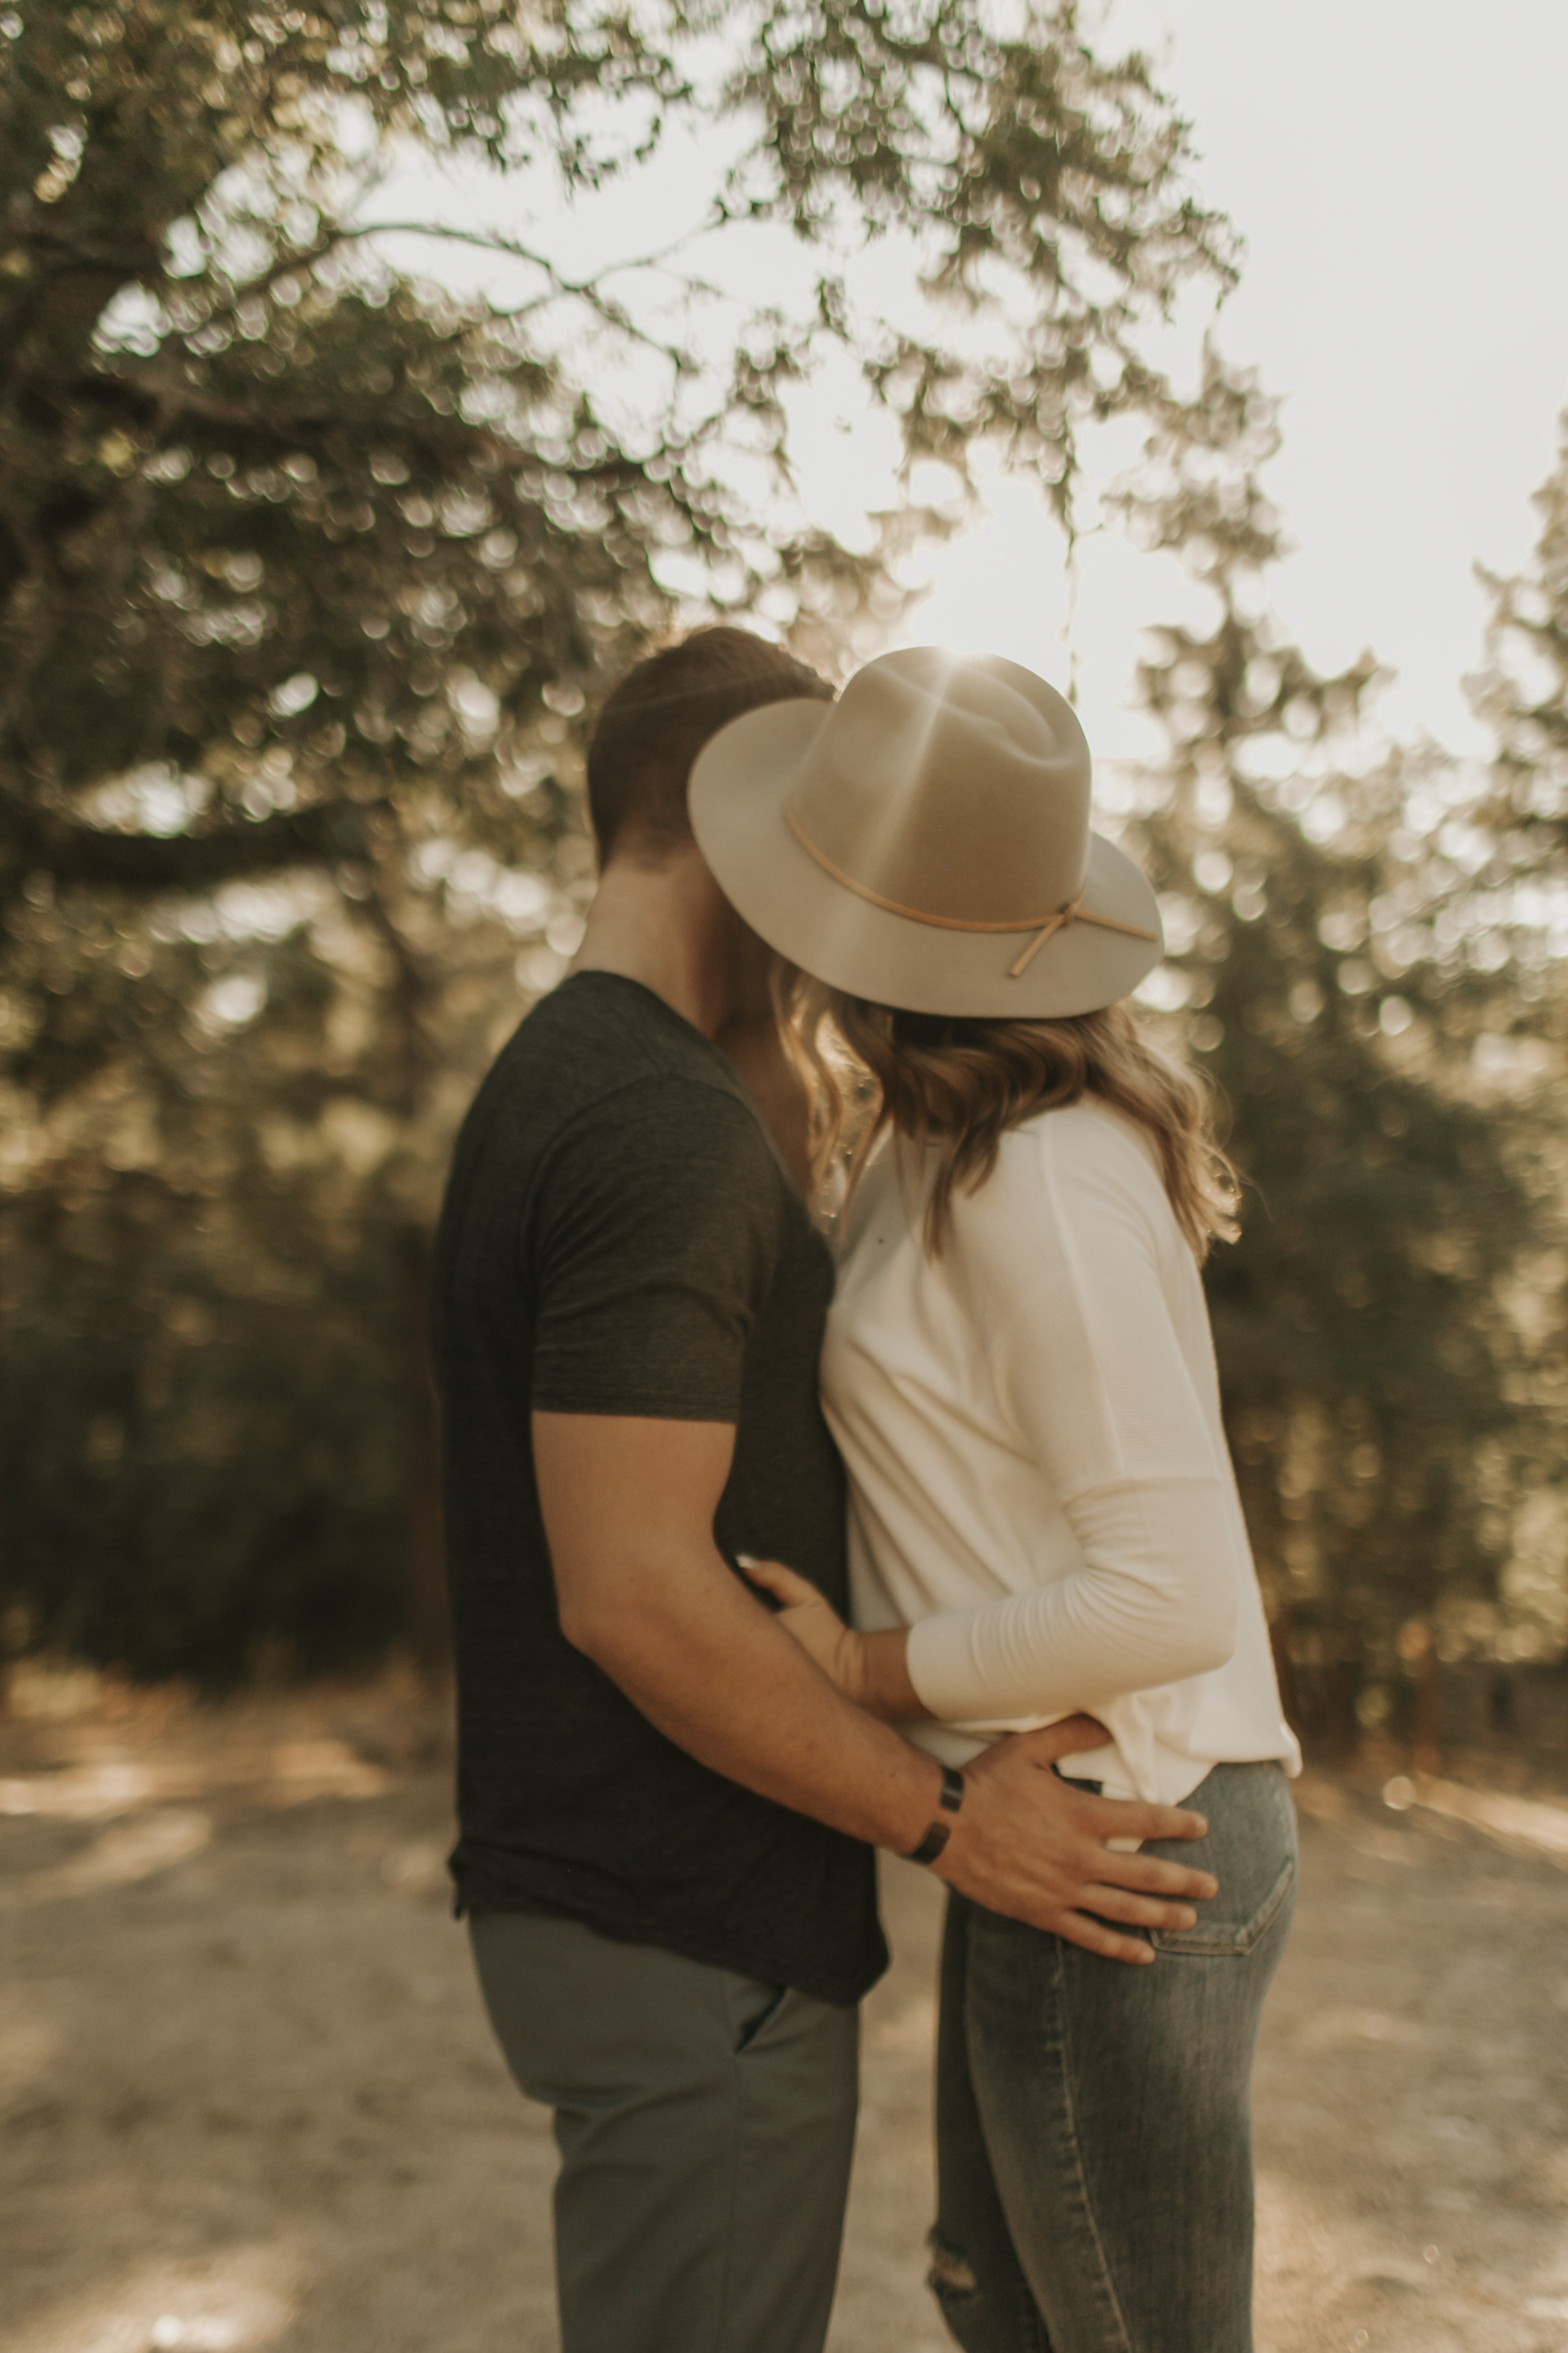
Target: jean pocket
<point>1238,1937</point>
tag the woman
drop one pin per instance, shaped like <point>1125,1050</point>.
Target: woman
<point>1043,1518</point>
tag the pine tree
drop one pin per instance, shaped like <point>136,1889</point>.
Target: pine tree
<point>1370,1366</point>
<point>1523,689</point>
<point>1517,860</point>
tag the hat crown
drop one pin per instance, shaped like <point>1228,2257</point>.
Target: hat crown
<point>950,788</point>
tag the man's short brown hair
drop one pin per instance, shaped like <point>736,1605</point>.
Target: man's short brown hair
<point>653,726</point>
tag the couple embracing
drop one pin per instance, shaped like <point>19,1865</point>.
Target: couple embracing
<point>759,1564</point>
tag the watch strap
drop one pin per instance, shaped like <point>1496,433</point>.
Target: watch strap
<point>949,1799</point>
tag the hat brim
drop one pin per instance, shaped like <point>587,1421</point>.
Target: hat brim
<point>740,784</point>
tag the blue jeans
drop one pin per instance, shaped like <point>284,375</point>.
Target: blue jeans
<point>1094,2142</point>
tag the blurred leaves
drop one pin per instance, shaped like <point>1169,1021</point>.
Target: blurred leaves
<point>310,573</point>
<point>1355,964</point>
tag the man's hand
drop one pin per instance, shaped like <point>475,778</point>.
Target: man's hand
<point>1027,1843</point>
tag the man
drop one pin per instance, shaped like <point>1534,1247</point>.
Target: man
<point>667,1812</point>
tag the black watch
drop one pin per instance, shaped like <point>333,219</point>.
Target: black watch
<point>935,1838</point>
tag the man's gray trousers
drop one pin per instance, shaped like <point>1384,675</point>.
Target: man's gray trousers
<point>705,2123</point>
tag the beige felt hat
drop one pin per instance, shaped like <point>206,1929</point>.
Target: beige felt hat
<point>924,843</point>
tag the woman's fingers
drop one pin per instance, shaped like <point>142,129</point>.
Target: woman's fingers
<point>810,1618</point>
<point>775,1579</point>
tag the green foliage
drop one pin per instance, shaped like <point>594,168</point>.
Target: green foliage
<point>197,1486</point>
<point>1055,178</point>
<point>1524,690</point>
<point>1379,1390</point>
<point>307,575</point>
<point>211,1452</point>
<point>289,534</point>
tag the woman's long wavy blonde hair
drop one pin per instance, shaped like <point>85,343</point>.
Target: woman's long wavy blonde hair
<point>960,1084</point>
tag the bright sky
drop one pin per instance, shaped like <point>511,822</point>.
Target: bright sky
<point>1400,176</point>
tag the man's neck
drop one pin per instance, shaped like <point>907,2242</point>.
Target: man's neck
<point>671,927</point>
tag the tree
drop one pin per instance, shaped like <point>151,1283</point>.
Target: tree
<point>285,533</point>
<point>1373,1376</point>
<point>209,1438</point>
<point>308,569</point>
<point>1523,689</point>
<point>1516,860</point>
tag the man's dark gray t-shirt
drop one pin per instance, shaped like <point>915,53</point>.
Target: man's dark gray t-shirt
<point>620,1237</point>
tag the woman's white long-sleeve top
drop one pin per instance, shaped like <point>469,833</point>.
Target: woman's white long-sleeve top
<point>1040,1486</point>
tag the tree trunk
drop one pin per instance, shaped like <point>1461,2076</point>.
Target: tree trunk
<point>6,1630</point>
<point>429,1627</point>
<point>1428,1750</point>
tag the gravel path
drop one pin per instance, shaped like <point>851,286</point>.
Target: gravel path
<point>249,2099</point>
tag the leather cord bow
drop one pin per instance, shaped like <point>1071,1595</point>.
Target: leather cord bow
<point>1044,927</point>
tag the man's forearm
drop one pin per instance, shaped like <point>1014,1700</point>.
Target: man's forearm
<point>716,1674</point>
<point>628,1507</point>
<point>1024,1843</point>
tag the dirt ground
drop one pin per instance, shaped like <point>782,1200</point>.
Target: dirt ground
<point>249,2099</point>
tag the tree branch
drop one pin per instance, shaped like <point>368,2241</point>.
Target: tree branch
<point>199,861</point>
<point>560,288</point>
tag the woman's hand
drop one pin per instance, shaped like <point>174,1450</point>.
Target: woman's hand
<point>867,1668</point>
<point>814,1621</point>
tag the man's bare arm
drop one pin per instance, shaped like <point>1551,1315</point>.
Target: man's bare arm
<point>643,1591</point>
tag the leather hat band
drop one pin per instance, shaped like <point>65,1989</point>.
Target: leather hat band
<point>1042,926</point>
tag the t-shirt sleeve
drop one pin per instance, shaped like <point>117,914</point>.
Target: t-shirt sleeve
<point>652,1242</point>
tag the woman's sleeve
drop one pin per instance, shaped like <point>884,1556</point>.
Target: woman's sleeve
<point>1058,1260</point>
